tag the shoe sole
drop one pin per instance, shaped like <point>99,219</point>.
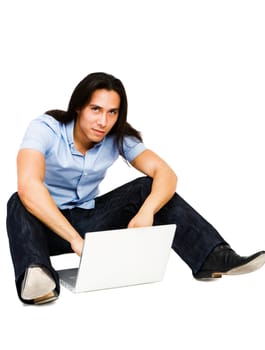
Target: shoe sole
<point>45,299</point>
<point>251,266</point>
<point>36,283</point>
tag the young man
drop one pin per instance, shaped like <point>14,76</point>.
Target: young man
<point>62,160</point>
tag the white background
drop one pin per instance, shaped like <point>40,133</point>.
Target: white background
<point>195,77</point>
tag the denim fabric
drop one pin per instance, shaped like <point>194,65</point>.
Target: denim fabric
<point>31,242</point>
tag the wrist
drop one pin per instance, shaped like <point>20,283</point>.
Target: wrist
<point>77,244</point>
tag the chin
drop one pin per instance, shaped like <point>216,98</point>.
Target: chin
<point>97,139</point>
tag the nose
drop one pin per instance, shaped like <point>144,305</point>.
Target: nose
<point>102,120</point>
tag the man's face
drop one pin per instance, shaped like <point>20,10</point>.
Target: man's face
<point>96,119</point>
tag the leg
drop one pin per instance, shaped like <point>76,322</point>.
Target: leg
<point>32,243</point>
<point>195,238</point>
<point>196,241</point>
<point>28,243</point>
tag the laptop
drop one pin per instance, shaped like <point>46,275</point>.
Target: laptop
<point>119,258</point>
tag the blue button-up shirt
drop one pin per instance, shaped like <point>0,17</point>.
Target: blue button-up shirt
<point>73,178</point>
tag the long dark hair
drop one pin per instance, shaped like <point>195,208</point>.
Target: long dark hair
<point>81,96</point>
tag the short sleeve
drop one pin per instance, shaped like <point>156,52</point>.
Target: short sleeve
<point>132,148</point>
<point>40,134</point>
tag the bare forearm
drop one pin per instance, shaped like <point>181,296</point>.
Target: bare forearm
<point>163,188</point>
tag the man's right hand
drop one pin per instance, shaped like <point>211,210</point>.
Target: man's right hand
<point>77,245</point>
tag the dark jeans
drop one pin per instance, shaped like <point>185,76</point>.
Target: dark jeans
<point>31,242</point>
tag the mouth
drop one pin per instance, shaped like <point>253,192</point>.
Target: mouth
<point>99,132</point>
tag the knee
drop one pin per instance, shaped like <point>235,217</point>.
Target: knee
<point>143,184</point>
<point>13,200</point>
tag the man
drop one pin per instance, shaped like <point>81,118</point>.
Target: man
<point>62,160</point>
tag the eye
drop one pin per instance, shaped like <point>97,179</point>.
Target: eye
<point>95,108</point>
<point>113,112</point>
